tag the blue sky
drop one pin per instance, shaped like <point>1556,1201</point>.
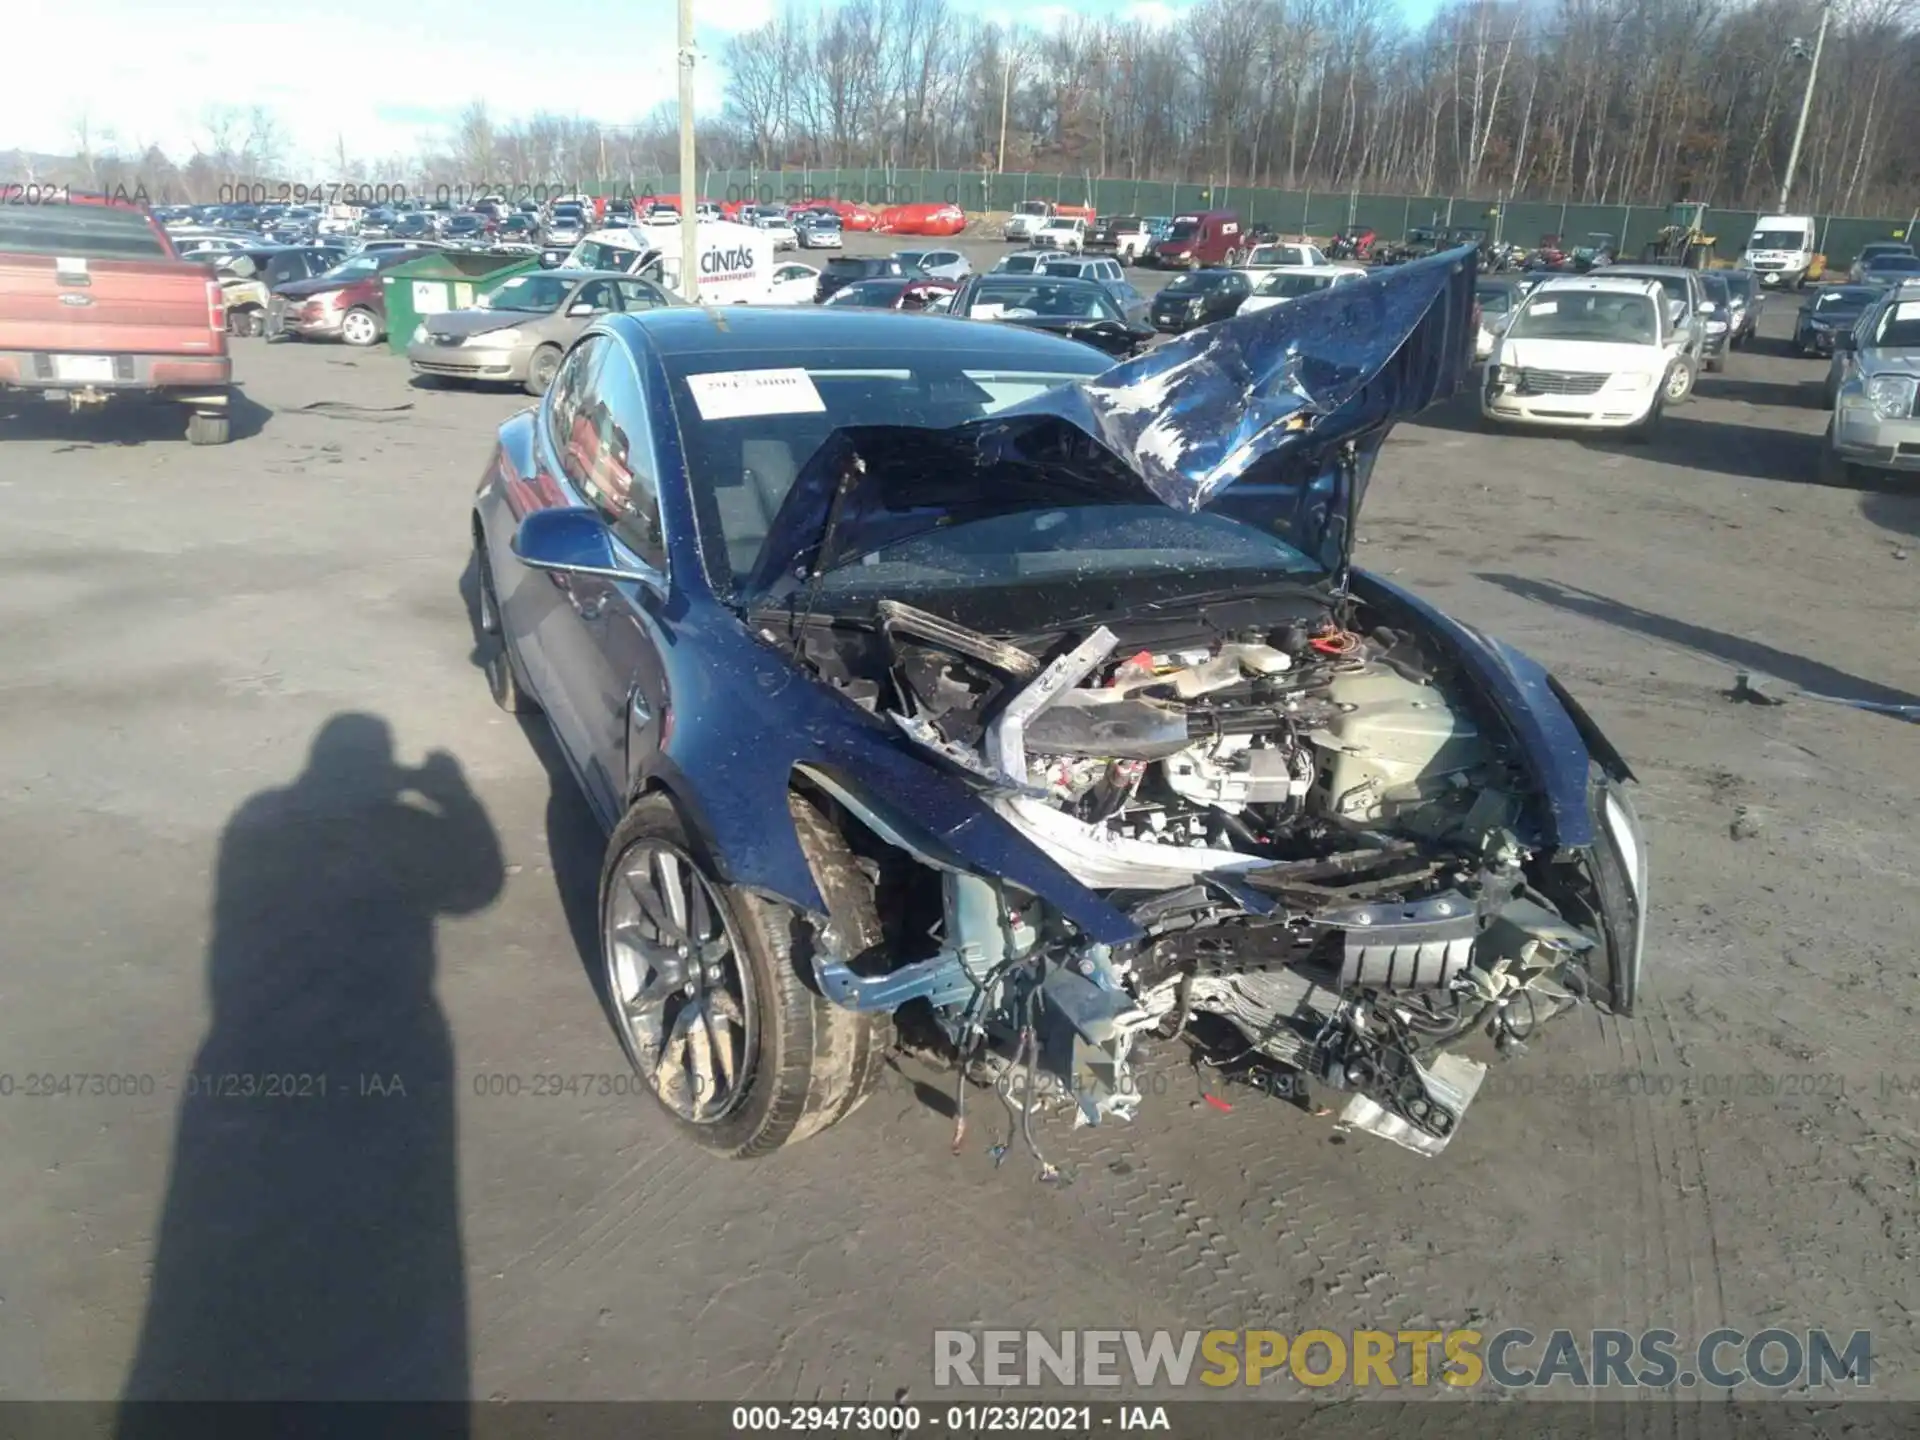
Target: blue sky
<point>385,76</point>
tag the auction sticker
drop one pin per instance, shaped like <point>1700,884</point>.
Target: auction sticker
<point>735,394</point>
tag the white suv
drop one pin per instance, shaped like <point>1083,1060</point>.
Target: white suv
<point>1592,354</point>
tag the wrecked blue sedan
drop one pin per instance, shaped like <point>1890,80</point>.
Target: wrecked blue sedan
<point>935,679</point>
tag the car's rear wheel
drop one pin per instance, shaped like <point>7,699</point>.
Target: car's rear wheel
<point>360,327</point>
<point>541,369</point>
<point>709,987</point>
<point>505,679</point>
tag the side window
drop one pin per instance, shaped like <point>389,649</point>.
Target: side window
<point>608,452</point>
<point>597,293</point>
<point>563,396</point>
<point>639,295</point>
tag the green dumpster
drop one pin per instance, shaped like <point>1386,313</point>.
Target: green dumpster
<point>449,280</point>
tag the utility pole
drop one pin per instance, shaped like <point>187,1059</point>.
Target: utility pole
<point>1806,105</point>
<point>689,198</point>
<point>1006,91</point>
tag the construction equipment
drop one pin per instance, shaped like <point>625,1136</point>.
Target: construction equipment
<point>1683,239</point>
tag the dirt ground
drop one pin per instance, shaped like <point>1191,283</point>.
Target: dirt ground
<point>192,892</point>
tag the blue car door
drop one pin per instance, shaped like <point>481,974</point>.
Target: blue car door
<point>603,647</point>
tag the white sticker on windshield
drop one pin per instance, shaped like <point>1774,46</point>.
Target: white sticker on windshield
<point>1544,307</point>
<point>1907,310</point>
<point>735,394</point>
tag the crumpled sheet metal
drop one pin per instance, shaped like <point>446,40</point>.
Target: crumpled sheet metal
<point>1297,379</point>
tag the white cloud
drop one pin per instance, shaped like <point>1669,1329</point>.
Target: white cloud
<point>1155,14</point>
<point>381,75</point>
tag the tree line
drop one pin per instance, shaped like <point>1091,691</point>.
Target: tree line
<point>1601,101</point>
<point>1596,101</point>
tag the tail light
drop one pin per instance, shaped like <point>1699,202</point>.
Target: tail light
<point>216,307</point>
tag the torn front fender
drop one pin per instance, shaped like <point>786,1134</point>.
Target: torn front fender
<point>732,772</point>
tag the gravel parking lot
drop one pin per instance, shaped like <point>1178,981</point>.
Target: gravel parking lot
<point>194,890</point>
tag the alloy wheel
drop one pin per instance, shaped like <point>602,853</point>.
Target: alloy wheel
<point>679,994</point>
<point>358,328</point>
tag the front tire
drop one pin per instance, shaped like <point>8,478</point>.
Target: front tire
<point>360,328</point>
<point>709,987</point>
<point>1679,384</point>
<point>541,369</point>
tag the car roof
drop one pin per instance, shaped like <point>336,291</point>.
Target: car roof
<point>1608,284</point>
<point>700,330</point>
<point>1650,270</point>
<point>1067,280</point>
<point>1314,270</point>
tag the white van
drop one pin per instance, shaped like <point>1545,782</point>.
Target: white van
<point>1781,250</point>
<point>736,261</point>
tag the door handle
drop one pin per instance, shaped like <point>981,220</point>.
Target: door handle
<point>588,609</point>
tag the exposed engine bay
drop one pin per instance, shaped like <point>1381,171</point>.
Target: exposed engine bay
<point>1318,833</point>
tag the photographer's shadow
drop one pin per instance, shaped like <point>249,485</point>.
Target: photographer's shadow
<point>310,1243</point>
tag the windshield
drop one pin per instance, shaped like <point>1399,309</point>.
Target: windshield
<point>1291,287</point>
<point>1197,280</point>
<point>1894,264</point>
<point>1495,299</point>
<point>1844,300</point>
<point>1272,255</point>
<point>106,232</point>
<point>870,294</point>
<point>358,265</point>
<point>1610,317</point>
<point>1867,252</point>
<point>1899,327</point>
<point>1019,265</point>
<point>909,258</point>
<point>598,255</point>
<point>1184,229</point>
<point>1020,531</point>
<point>1030,207</point>
<point>527,295</point>
<point>1778,240</point>
<point>1042,298</point>
<point>1716,288</point>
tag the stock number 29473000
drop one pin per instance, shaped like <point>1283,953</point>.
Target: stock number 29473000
<point>796,1419</point>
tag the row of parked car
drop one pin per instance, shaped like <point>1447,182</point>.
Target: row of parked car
<point>1868,331</point>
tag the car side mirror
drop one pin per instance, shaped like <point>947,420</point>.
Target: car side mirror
<point>572,540</point>
<point>1707,307</point>
<point>581,307</point>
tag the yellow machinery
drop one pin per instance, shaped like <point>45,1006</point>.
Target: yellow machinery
<point>1683,239</point>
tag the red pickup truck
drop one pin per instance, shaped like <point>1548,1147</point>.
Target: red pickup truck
<point>96,307</point>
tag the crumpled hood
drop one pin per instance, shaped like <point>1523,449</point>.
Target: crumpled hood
<point>1274,396</point>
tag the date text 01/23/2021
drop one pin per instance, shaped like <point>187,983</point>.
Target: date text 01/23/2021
<point>204,1085</point>
<point>953,1420</point>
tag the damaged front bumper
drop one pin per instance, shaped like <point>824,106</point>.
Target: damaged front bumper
<point>1351,969</point>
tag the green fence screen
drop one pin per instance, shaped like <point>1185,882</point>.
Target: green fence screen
<point>1308,212</point>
